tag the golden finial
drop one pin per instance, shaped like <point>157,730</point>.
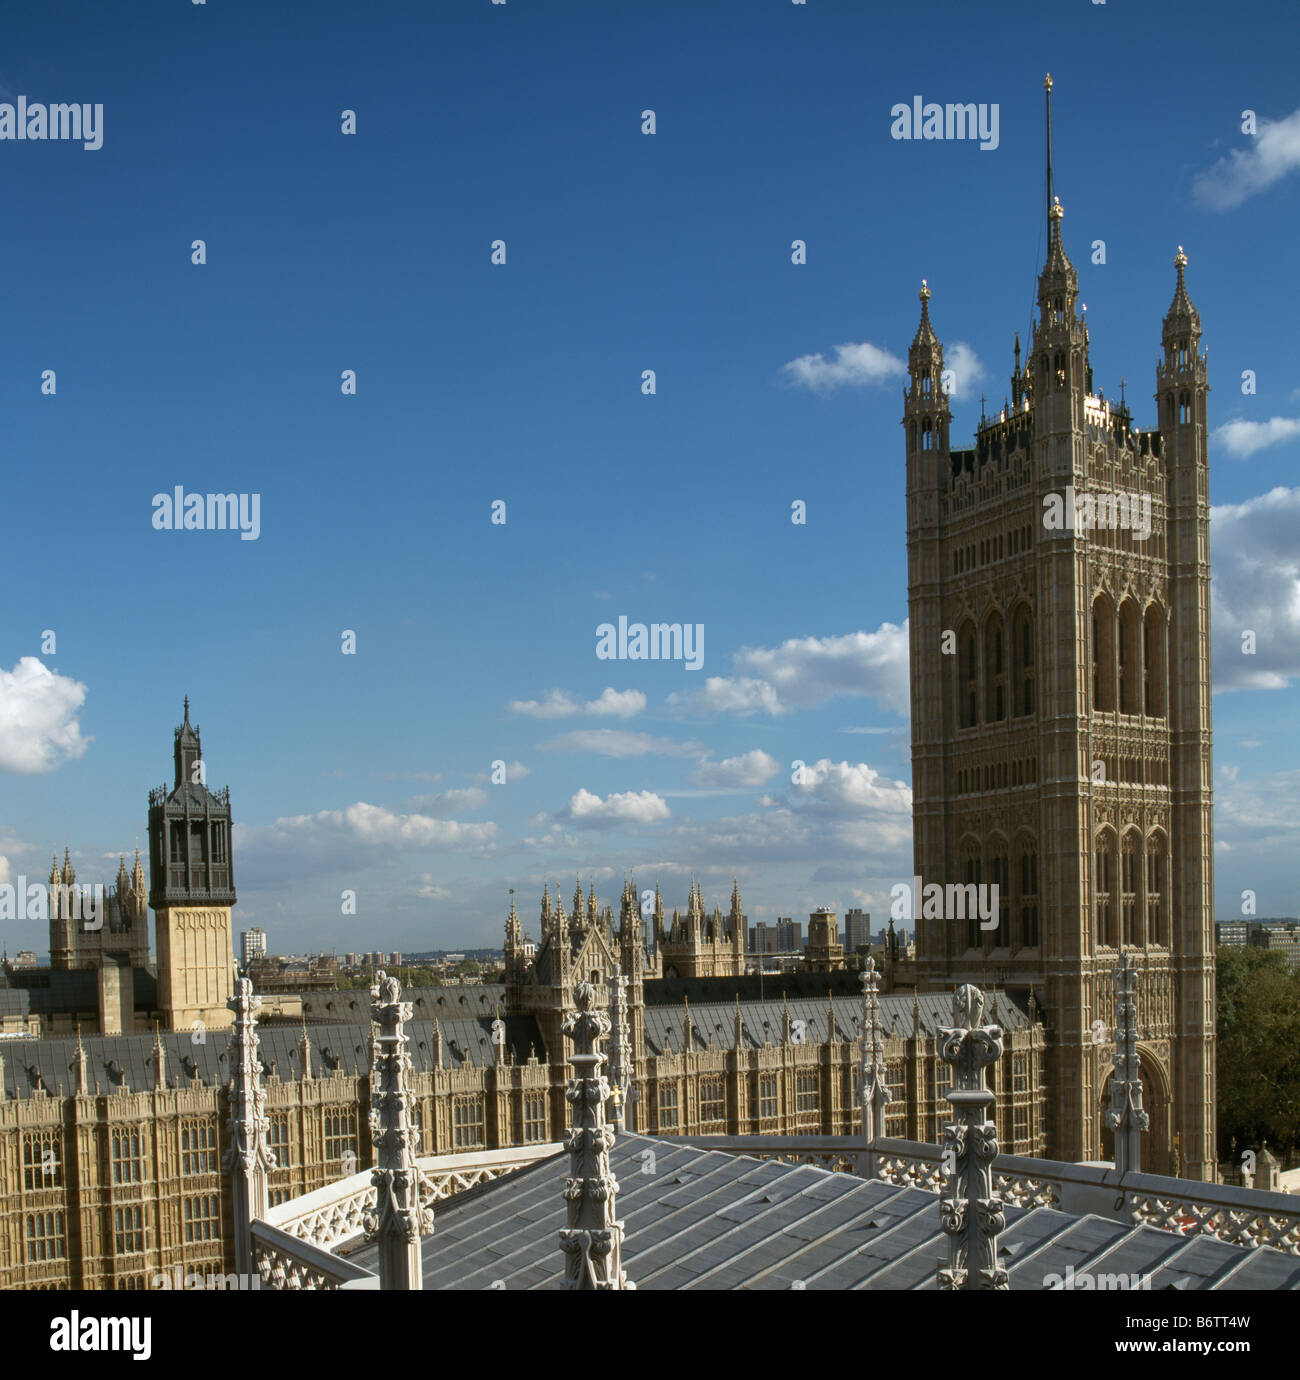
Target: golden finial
<point>1181,260</point>
<point>924,294</point>
<point>1047,82</point>
<point>1057,211</point>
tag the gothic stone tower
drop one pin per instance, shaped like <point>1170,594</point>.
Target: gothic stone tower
<point>1060,688</point>
<point>191,890</point>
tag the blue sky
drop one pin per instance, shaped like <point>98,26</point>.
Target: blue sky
<point>523,382</point>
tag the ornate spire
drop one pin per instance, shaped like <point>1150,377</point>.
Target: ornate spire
<point>1182,320</point>
<point>249,1158</point>
<point>593,1240</point>
<point>970,1213</point>
<point>159,1059</point>
<point>875,1081</point>
<point>80,1067</point>
<point>620,1048</point>
<point>402,1213</point>
<point>304,1048</point>
<point>1125,1116</point>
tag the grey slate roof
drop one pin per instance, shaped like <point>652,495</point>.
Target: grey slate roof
<point>896,1015</point>
<point>702,1219</point>
<point>427,1002</point>
<point>342,1047</point>
<point>14,1001</point>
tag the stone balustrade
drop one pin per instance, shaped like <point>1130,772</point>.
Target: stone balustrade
<point>1240,1216</point>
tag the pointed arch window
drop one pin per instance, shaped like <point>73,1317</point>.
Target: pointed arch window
<point>1103,655</point>
<point>1153,662</point>
<point>974,878</point>
<point>995,687</point>
<point>968,678</point>
<point>1157,911</point>
<point>1130,864</point>
<point>1104,883</point>
<point>1027,896</point>
<point>1022,640</point>
<point>1128,657</point>
<point>1000,877</point>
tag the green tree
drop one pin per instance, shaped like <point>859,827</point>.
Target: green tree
<point>1259,1053</point>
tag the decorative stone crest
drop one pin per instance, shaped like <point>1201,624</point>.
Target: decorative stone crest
<point>1125,1116</point>
<point>971,1214</point>
<point>620,1048</point>
<point>593,1241</point>
<point>402,1213</point>
<point>249,1158</point>
<point>875,1082</point>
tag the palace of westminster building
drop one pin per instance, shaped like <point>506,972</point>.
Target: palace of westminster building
<point>1036,655</point>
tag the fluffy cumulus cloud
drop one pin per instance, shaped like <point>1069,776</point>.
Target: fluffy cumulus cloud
<point>1255,560</point>
<point>560,704</point>
<point>38,718</point>
<point>377,825</point>
<point>621,742</point>
<point>750,769</point>
<point>1242,438</point>
<point>808,671</point>
<point>850,788</point>
<point>627,807</point>
<point>1274,151</point>
<point>852,366</point>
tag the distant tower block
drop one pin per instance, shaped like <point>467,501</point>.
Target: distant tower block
<point>191,891</point>
<point>824,952</point>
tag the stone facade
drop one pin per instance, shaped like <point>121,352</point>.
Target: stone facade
<point>1060,682</point>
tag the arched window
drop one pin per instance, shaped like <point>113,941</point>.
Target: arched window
<point>1103,655</point>
<point>1128,657</point>
<point>999,873</point>
<point>1022,650</point>
<point>967,677</point>
<point>1130,863</point>
<point>1027,893</point>
<point>1104,885</point>
<point>995,676</point>
<point>1157,910</point>
<point>1153,661</point>
<point>974,878</point>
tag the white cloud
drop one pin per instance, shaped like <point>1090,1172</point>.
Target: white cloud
<point>1242,438</point>
<point>620,742</point>
<point>751,769</point>
<point>1273,152</point>
<point>808,671</point>
<point>852,788</point>
<point>853,365</point>
<point>430,889</point>
<point>629,807</point>
<point>450,802</point>
<point>1255,564</point>
<point>560,704</point>
<point>966,368</point>
<point>38,718</point>
<point>374,824</point>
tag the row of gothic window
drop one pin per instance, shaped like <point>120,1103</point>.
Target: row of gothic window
<point>1019,771</point>
<point>1128,658</point>
<point>1008,671</point>
<point>996,675</point>
<point>989,549</point>
<point>1016,916</point>
<point>1128,889</point>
